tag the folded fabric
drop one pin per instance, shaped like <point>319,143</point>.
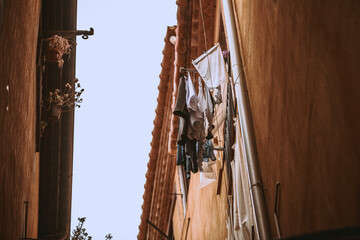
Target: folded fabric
<point>211,67</point>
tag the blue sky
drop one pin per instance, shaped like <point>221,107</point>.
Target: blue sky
<point>119,68</point>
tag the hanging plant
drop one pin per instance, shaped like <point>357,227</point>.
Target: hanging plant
<point>62,101</point>
<point>55,47</point>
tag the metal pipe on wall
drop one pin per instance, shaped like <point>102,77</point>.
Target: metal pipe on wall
<point>247,131</point>
<point>69,21</point>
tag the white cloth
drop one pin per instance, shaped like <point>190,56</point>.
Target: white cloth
<point>220,109</point>
<point>242,199</point>
<point>206,106</point>
<point>202,98</point>
<point>192,100</point>
<point>196,127</point>
<point>229,222</point>
<point>211,67</point>
<point>207,175</point>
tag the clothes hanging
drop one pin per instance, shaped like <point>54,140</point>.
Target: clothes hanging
<point>211,67</point>
<point>183,131</point>
<point>241,189</point>
<point>209,151</point>
<point>206,104</point>
<point>180,155</point>
<point>196,119</point>
<point>191,157</point>
<point>220,110</point>
<point>180,108</point>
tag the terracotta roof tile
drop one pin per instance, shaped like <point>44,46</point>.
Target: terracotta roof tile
<point>159,122</point>
<point>161,166</point>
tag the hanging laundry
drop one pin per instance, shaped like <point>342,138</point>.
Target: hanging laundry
<point>191,157</point>
<point>206,104</point>
<point>209,151</point>
<point>210,105</point>
<point>180,155</point>
<point>207,176</point>
<point>183,131</point>
<point>180,108</point>
<point>241,189</point>
<point>218,95</point>
<point>211,67</point>
<point>202,99</point>
<point>220,110</point>
<point>192,100</point>
<point>196,126</point>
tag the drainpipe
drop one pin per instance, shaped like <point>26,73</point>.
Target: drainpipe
<point>247,131</point>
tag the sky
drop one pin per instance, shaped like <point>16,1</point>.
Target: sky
<point>119,69</point>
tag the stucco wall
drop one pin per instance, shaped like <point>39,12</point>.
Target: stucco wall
<point>206,210</point>
<point>301,61</point>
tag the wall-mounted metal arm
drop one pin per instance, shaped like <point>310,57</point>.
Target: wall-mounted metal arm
<point>85,34</point>
<point>276,209</point>
<point>157,229</point>
<point>26,216</point>
<point>219,148</point>
<point>176,194</point>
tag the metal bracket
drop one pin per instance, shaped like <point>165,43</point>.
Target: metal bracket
<point>26,217</point>
<point>176,194</point>
<point>276,209</point>
<point>85,34</point>
<point>157,229</point>
<point>219,148</point>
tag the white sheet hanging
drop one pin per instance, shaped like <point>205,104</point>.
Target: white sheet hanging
<point>211,67</point>
<point>242,199</point>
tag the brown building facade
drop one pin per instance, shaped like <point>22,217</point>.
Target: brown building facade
<point>35,163</point>
<point>294,83</point>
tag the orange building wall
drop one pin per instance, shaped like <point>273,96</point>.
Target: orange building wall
<point>206,210</point>
<point>301,62</point>
<point>18,161</point>
<point>178,212</point>
<point>33,198</point>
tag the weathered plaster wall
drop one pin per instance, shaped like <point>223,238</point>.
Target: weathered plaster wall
<point>301,61</point>
<point>206,210</point>
<point>178,214</point>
